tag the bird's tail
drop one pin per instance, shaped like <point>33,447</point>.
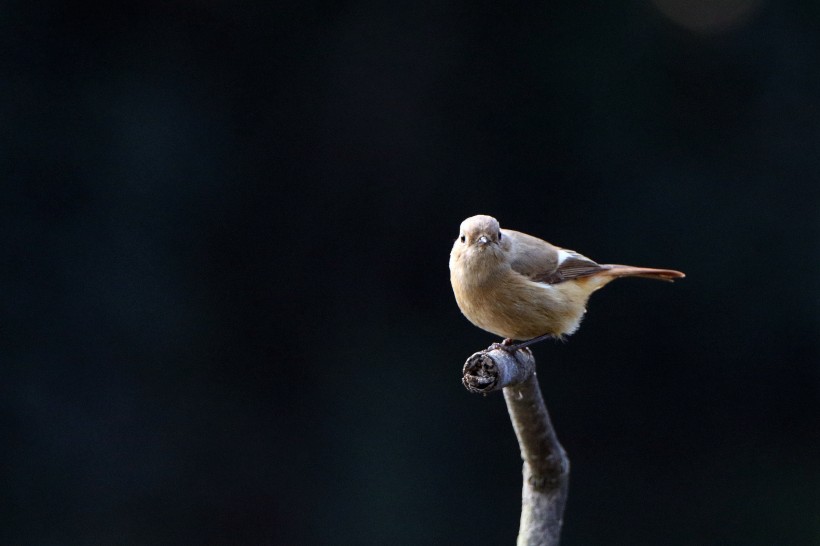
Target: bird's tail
<point>616,271</point>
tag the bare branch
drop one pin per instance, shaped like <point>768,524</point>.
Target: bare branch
<point>546,466</point>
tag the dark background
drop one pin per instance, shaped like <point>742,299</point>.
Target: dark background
<point>226,313</point>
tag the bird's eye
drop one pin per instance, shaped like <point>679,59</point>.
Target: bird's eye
<point>499,235</point>
<point>463,238</point>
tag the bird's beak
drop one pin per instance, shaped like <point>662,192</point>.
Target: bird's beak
<point>483,240</point>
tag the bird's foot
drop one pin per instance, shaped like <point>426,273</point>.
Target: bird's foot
<point>506,345</point>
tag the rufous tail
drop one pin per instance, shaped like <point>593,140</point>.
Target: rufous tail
<point>615,270</point>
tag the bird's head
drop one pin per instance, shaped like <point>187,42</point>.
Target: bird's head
<point>479,238</point>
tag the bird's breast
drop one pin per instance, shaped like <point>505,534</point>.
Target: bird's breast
<point>511,305</point>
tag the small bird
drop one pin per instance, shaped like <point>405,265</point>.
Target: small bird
<point>522,288</point>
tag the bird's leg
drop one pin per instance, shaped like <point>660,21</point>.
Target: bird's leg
<point>510,348</point>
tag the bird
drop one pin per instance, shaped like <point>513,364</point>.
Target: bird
<point>522,288</point>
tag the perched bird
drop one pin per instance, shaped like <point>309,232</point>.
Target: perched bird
<point>522,288</point>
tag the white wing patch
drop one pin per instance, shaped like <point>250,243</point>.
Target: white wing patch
<point>563,255</point>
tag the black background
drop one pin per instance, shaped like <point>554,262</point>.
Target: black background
<point>226,313</point>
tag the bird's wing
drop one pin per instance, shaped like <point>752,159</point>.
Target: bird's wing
<point>543,262</point>
<point>573,266</point>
